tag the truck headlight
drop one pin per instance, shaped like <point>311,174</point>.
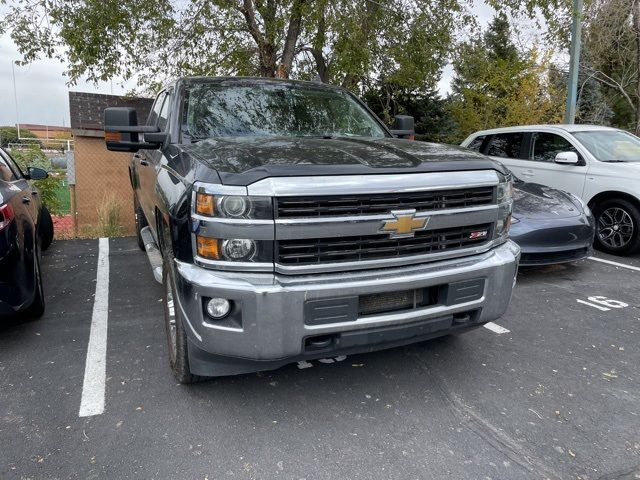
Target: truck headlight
<point>233,206</point>
<point>238,249</point>
<point>234,249</point>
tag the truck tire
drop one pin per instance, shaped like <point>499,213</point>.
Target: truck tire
<point>45,228</point>
<point>36,309</point>
<point>141,221</point>
<point>174,326</point>
<point>617,227</point>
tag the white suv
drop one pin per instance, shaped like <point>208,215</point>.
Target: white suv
<point>600,165</point>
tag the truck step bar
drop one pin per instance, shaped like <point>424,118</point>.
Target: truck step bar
<point>153,253</point>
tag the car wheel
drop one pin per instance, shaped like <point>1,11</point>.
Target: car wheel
<point>45,227</point>
<point>141,221</point>
<point>176,335</point>
<point>617,227</point>
<point>36,309</point>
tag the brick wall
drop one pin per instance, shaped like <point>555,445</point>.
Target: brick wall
<point>100,173</point>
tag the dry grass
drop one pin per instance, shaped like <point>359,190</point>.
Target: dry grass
<point>109,218</point>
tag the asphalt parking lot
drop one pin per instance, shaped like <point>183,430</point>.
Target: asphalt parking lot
<point>554,393</point>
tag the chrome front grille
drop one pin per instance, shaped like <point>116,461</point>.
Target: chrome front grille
<point>338,223</point>
<point>317,251</point>
<point>375,204</point>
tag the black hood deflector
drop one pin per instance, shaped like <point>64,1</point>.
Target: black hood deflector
<point>245,160</point>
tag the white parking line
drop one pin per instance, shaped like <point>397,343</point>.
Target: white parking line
<point>623,265</point>
<point>494,327</point>
<point>93,388</point>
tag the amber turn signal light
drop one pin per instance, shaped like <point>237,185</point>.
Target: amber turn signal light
<point>205,204</point>
<point>208,247</point>
<point>112,136</point>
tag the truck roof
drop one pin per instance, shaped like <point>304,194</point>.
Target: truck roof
<point>253,81</point>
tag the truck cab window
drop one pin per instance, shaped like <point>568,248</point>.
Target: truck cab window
<point>156,109</point>
<point>163,117</point>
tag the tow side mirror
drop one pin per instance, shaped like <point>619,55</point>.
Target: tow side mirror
<point>404,127</point>
<point>567,158</point>
<point>122,133</point>
<point>35,173</point>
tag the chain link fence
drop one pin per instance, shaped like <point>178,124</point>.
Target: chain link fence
<point>88,195</point>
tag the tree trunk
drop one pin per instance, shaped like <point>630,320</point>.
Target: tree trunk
<point>291,40</point>
<point>266,49</point>
<point>636,27</point>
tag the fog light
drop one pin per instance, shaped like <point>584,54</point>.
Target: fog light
<point>218,308</point>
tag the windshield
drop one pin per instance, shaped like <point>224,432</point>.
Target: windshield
<point>611,145</point>
<point>214,110</point>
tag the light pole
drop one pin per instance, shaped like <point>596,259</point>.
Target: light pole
<point>574,63</point>
<point>15,99</point>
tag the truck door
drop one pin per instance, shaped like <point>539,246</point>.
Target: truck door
<point>145,164</point>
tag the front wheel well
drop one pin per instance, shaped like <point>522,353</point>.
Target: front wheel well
<point>611,195</point>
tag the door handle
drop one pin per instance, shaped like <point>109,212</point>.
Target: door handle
<point>26,200</point>
<point>144,163</point>
<point>34,192</point>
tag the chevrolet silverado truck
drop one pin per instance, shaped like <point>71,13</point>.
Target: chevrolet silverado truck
<point>287,223</point>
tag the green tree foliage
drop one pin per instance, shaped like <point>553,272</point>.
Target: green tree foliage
<point>343,42</point>
<point>496,84</point>
<point>10,135</point>
<point>433,120</point>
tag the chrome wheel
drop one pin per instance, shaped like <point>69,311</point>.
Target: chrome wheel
<point>615,227</point>
<point>170,316</point>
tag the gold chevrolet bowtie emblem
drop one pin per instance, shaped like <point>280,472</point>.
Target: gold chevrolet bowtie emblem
<point>405,224</point>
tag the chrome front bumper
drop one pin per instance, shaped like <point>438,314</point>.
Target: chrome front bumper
<point>267,326</point>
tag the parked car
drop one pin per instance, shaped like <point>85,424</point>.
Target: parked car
<point>549,225</point>
<point>287,223</point>
<point>26,229</point>
<point>601,165</point>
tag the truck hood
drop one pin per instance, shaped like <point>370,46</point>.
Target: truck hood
<point>244,160</point>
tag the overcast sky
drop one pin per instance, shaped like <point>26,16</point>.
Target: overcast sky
<point>42,92</point>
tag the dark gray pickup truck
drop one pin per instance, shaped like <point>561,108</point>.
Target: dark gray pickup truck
<point>287,223</point>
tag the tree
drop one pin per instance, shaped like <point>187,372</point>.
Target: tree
<point>593,105</point>
<point>341,41</point>
<point>10,135</point>
<point>611,56</point>
<point>433,121</point>
<point>495,84</point>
